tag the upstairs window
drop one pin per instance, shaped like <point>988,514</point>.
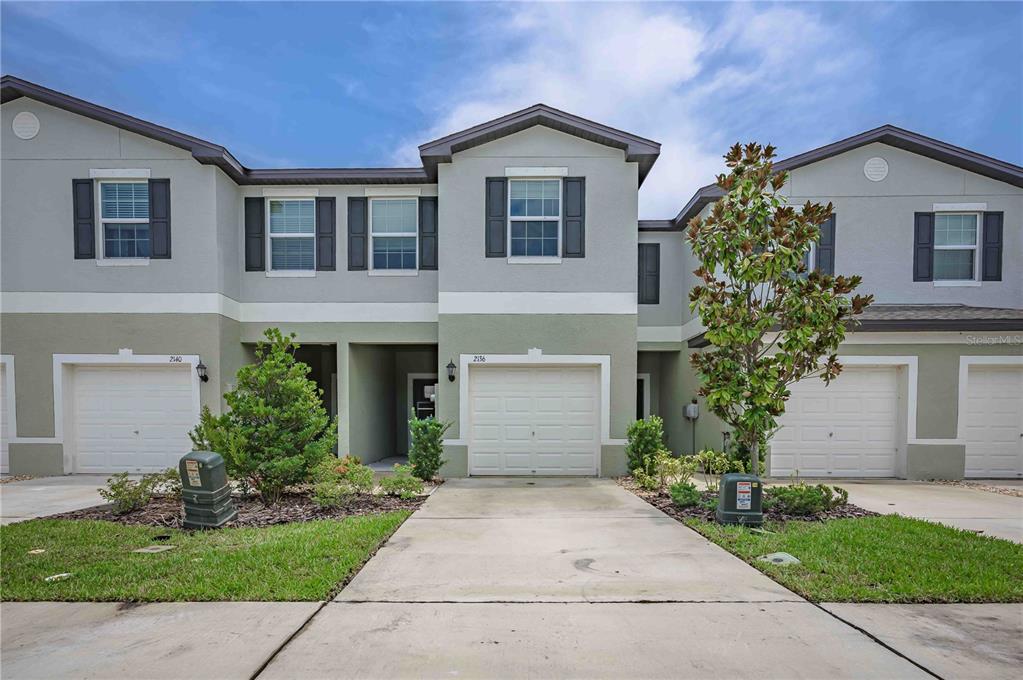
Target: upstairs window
<point>124,219</point>
<point>534,217</point>
<point>394,228</point>
<point>955,246</point>
<point>292,239</point>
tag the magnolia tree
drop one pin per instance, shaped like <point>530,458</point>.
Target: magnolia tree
<point>769,321</point>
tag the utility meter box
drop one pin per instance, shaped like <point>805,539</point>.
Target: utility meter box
<point>739,499</point>
<point>205,491</point>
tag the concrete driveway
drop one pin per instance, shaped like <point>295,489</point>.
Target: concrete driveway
<point>568,578</point>
<point>984,512</point>
<point>48,496</point>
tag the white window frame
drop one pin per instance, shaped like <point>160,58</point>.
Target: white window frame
<point>533,259</point>
<point>288,273</point>
<point>103,260</point>
<point>975,281</point>
<point>373,271</point>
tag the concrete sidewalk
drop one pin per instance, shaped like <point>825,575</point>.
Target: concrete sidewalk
<point>223,640</point>
<point>48,496</point>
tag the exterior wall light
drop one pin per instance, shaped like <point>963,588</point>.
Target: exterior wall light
<point>451,371</point>
<point>200,369</point>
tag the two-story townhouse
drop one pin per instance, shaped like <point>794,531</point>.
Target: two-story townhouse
<point>140,265</point>
<point>933,379</point>
<point>506,286</point>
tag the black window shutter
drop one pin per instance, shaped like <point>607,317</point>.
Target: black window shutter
<point>326,230</point>
<point>826,248</point>
<point>991,256</point>
<point>428,232</point>
<point>649,273</point>
<point>358,233</point>
<point>159,219</point>
<point>255,234</point>
<point>84,213</point>
<point>923,247</point>
<point>573,203</point>
<point>497,217</point>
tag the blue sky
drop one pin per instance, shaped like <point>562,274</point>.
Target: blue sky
<point>350,84</point>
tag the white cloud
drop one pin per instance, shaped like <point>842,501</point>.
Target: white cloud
<point>654,70</point>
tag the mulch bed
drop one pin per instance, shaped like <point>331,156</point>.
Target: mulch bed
<point>662,501</point>
<point>163,511</point>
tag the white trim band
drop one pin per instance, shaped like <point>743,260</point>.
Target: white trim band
<point>290,192</point>
<point>385,192</point>
<point>959,207</point>
<point>536,172</point>
<point>119,173</point>
<point>215,303</point>
<point>537,303</point>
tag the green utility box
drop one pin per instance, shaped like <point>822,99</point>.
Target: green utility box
<point>739,500</point>
<point>205,491</point>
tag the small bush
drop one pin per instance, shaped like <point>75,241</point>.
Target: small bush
<point>427,447</point>
<point>127,494</point>
<point>337,480</point>
<point>645,481</point>
<point>645,438</point>
<point>402,483</point>
<point>328,494</point>
<point>684,494</point>
<point>166,483</point>
<point>276,430</point>
<point>717,463</point>
<point>804,499</point>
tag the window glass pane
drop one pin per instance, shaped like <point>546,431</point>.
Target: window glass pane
<point>535,198</point>
<point>394,217</point>
<point>394,252</point>
<point>124,200</point>
<point>291,253</point>
<point>955,230</point>
<point>125,240</point>
<point>534,238</point>
<point>953,265</point>
<point>292,217</point>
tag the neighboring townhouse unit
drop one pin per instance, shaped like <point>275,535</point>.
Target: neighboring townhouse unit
<point>506,285</point>
<point>933,379</point>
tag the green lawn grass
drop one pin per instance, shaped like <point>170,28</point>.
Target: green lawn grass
<point>299,561</point>
<point>881,559</point>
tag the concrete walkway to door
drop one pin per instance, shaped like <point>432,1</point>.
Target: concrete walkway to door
<point>44,496</point>
<point>568,578</point>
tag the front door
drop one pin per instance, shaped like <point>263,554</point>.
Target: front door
<point>422,405</point>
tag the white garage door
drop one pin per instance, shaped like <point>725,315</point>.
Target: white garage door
<point>4,435</point>
<point>534,421</point>
<point>133,419</point>
<point>846,429</point>
<point>994,422</point>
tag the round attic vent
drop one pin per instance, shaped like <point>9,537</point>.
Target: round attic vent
<point>25,125</point>
<point>876,169</point>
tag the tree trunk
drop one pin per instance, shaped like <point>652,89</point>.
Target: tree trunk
<point>754,459</point>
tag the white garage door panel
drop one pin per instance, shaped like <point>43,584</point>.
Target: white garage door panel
<point>994,421</point>
<point>846,429</point>
<point>534,421</point>
<point>4,434</point>
<point>133,419</point>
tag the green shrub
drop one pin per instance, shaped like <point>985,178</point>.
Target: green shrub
<point>717,463</point>
<point>684,494</point>
<point>328,494</point>
<point>126,494</point>
<point>804,499</point>
<point>645,481</point>
<point>166,483</point>
<point>402,483</point>
<point>645,438</point>
<point>427,447</point>
<point>276,430</point>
